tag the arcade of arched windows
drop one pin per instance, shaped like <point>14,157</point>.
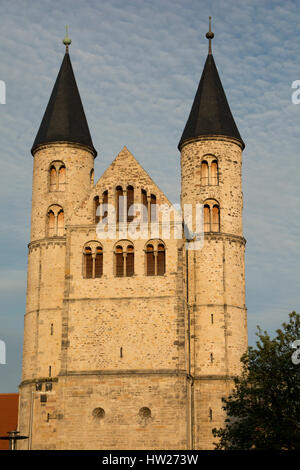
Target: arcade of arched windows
<point>124,259</point>
<point>124,198</point>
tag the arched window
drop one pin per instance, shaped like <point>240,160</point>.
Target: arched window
<point>105,202</point>
<point>92,260</point>
<point>124,259</point>
<point>88,263</point>
<point>206,218</point>
<point>155,258</point>
<point>161,269</point>
<point>153,208</point>
<point>96,205</point>
<point>99,262</point>
<point>53,177</point>
<point>214,180</point>
<point>60,223</point>
<point>145,206</point>
<point>119,261</point>
<point>130,202</point>
<point>215,218</point>
<point>150,260</point>
<point>62,178</point>
<point>130,261</point>
<point>120,204</point>
<point>204,173</point>
<point>55,221</point>
<point>51,224</point>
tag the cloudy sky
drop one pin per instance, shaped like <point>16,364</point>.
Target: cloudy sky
<point>137,65</point>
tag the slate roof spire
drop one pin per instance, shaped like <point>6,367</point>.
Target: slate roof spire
<point>64,119</point>
<point>210,114</point>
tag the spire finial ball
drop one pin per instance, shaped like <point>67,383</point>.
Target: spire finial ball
<point>67,41</point>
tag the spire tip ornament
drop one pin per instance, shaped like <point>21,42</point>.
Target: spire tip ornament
<point>67,41</point>
<point>210,35</point>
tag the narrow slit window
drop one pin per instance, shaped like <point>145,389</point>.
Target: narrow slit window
<point>130,261</point>
<point>60,223</point>
<point>204,173</point>
<point>206,218</point>
<point>96,205</point>
<point>62,178</point>
<point>153,208</point>
<point>161,260</point>
<point>105,203</point>
<point>150,260</point>
<point>99,262</point>
<point>51,224</point>
<point>119,261</point>
<point>214,180</point>
<point>53,177</point>
<point>88,262</point>
<point>215,219</point>
<point>145,206</point>
<point>130,202</point>
<point>120,204</point>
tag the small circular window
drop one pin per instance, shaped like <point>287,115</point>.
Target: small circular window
<point>99,413</point>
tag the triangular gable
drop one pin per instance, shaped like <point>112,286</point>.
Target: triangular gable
<point>124,171</point>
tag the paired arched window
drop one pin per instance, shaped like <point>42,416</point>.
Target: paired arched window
<point>55,221</point>
<point>211,215</point>
<point>57,176</point>
<point>209,171</point>
<point>124,259</point>
<point>92,260</point>
<point>155,258</point>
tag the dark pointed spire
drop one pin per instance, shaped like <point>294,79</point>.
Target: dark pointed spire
<point>210,114</point>
<point>64,119</point>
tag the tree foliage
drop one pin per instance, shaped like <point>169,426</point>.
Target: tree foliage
<point>263,411</point>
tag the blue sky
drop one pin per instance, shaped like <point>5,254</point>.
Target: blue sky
<point>137,65</point>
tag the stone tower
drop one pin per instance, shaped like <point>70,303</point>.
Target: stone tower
<point>63,160</point>
<point>211,174</point>
<point>130,342</point>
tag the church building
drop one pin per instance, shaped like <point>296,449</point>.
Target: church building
<point>130,342</point>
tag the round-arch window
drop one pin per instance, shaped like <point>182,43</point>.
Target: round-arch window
<point>99,413</point>
<point>145,412</point>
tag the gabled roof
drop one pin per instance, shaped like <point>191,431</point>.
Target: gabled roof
<point>210,114</point>
<point>64,119</point>
<point>123,171</point>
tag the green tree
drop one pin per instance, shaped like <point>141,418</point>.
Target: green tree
<point>263,411</point>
